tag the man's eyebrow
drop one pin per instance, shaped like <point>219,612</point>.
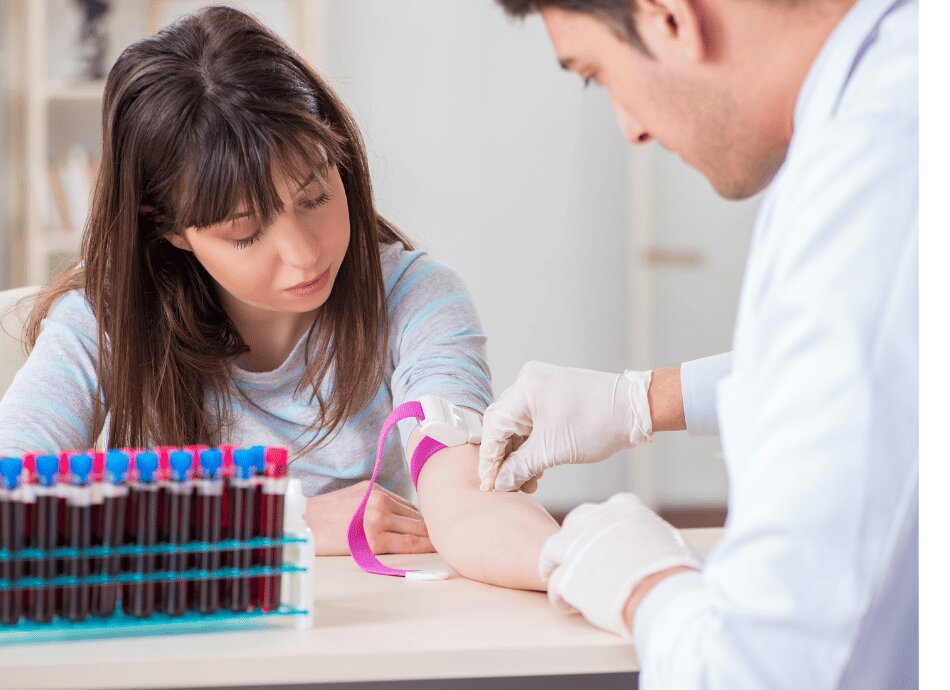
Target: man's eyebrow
<point>566,63</point>
<point>245,214</point>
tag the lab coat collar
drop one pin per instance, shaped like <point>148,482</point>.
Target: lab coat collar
<point>829,74</point>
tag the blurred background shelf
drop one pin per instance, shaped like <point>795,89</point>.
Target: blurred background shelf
<point>84,91</point>
<point>56,111</point>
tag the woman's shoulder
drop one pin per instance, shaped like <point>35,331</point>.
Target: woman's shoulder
<point>405,269</point>
<point>74,311</point>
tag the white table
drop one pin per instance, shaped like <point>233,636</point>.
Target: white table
<point>366,628</point>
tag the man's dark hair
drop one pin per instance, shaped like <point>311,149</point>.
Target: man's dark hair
<point>616,15</point>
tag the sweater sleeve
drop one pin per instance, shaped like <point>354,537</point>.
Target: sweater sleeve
<point>49,405</point>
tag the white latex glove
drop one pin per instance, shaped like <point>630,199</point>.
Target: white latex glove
<point>557,416</point>
<point>603,552</point>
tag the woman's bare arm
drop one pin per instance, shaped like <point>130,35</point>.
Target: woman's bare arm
<point>486,536</point>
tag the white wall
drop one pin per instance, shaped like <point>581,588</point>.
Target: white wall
<point>491,157</point>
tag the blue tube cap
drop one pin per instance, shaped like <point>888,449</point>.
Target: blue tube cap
<point>11,469</point>
<point>146,463</point>
<point>211,460</point>
<point>80,466</point>
<point>259,453</point>
<point>180,462</point>
<point>244,463</point>
<point>117,466</point>
<point>46,468</point>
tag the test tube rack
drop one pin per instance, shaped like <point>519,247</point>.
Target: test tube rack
<point>137,541</point>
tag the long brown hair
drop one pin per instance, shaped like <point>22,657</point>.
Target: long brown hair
<point>192,120</point>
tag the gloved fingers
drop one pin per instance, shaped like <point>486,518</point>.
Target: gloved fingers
<point>520,467</point>
<point>531,485</point>
<point>498,430</point>
<point>553,552</point>
<point>555,595</point>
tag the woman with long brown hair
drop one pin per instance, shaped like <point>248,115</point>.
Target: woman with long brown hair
<point>237,285</point>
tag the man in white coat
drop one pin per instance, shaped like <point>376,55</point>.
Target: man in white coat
<point>814,584</point>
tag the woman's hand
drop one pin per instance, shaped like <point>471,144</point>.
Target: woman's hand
<point>393,524</point>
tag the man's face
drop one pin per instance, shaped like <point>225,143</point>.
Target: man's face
<point>691,106</point>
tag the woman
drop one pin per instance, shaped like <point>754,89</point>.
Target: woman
<point>236,284</point>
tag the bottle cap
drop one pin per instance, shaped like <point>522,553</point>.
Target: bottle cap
<point>117,466</point>
<point>98,464</point>
<point>259,458</point>
<point>275,462</point>
<point>164,462</point>
<point>180,461</point>
<point>80,466</point>
<point>46,467</point>
<point>146,463</point>
<point>11,470</point>
<point>227,460</point>
<point>64,465</point>
<point>244,464</point>
<point>29,464</point>
<point>211,460</point>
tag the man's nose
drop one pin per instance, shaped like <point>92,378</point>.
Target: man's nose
<point>632,130</point>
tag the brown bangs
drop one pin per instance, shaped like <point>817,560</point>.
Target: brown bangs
<point>231,169</point>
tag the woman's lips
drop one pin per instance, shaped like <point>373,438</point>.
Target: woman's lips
<point>312,286</point>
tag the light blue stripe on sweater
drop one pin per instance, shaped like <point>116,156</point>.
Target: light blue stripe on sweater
<point>432,307</point>
<point>441,385</point>
<point>406,262</point>
<point>50,407</point>
<point>464,365</point>
<point>414,279</point>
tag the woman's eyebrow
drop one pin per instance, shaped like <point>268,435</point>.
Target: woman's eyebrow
<point>245,214</point>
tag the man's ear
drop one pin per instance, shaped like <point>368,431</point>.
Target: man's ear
<point>673,30</point>
<point>178,241</point>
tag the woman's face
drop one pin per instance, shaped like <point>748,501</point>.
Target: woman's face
<point>288,266</point>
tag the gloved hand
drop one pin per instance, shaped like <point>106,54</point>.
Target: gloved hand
<point>556,416</point>
<point>603,552</point>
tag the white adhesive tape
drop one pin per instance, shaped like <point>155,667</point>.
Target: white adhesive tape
<point>427,575</point>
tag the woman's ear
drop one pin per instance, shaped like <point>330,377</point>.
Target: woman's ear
<point>673,30</point>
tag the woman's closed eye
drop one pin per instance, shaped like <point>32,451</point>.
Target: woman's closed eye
<point>308,204</point>
<point>314,202</point>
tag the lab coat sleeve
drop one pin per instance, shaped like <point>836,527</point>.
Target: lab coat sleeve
<point>698,381</point>
<point>824,470</point>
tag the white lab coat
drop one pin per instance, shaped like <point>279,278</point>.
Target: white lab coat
<point>814,584</point>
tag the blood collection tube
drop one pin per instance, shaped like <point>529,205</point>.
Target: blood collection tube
<point>270,525</point>
<point>143,499</point>
<point>45,536</point>
<point>79,536</point>
<point>225,559</point>
<point>177,497</point>
<point>241,491</point>
<point>111,528</point>
<point>11,539</point>
<point>207,529</point>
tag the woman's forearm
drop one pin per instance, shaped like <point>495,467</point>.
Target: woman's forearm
<point>491,537</point>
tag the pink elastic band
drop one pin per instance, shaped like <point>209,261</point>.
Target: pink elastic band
<point>356,534</point>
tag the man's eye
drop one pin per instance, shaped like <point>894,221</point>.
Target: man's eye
<point>587,81</point>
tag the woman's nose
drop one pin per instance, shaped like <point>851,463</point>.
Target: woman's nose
<point>298,244</point>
